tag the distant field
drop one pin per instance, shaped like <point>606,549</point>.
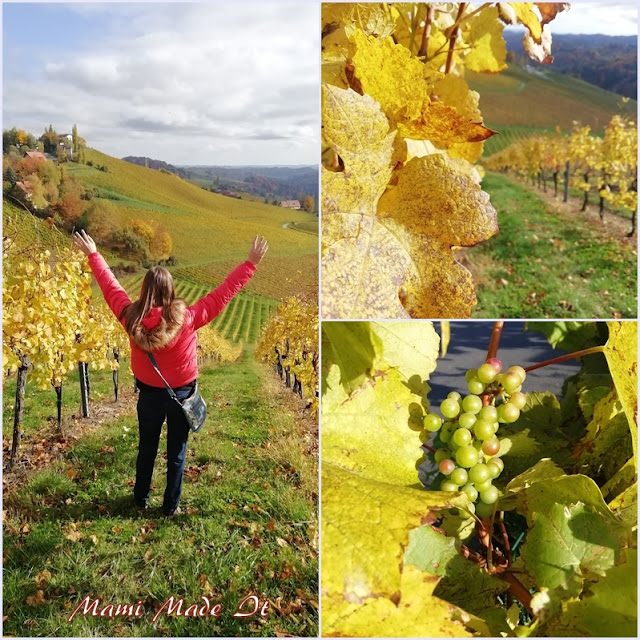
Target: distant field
<point>205,227</point>
<point>542,101</point>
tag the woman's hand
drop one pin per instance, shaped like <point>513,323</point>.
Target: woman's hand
<point>258,249</point>
<point>84,242</point>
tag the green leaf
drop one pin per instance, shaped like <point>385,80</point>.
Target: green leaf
<point>373,433</point>
<point>568,542</point>
<point>608,609</point>
<point>463,583</point>
<point>625,505</point>
<point>568,334</point>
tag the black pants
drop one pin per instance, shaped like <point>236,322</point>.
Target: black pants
<point>154,406</point>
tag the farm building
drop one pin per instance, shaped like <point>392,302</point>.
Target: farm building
<point>291,204</point>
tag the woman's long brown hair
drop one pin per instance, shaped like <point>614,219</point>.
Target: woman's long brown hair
<point>157,291</point>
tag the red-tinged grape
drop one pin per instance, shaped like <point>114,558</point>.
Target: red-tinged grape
<point>483,486</point>
<point>491,446</point>
<point>479,473</point>
<point>459,476</point>
<point>450,408</point>
<point>440,455</point>
<point>471,492</point>
<point>487,373</point>
<point>475,386</point>
<point>511,382</point>
<point>508,413</point>
<point>519,371</point>
<point>494,470</point>
<point>518,399</point>
<point>454,395</point>
<point>467,456</point>
<point>495,363</point>
<point>467,420</point>
<point>499,462</point>
<point>472,373</point>
<point>488,413</point>
<point>462,436</point>
<point>489,496</point>
<point>483,429</point>
<point>484,510</point>
<point>447,485</point>
<point>472,404</point>
<point>432,422</point>
<point>446,466</point>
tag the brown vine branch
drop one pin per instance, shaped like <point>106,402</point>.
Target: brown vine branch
<point>492,351</point>
<point>454,36</point>
<point>424,45</point>
<point>519,591</point>
<point>569,356</point>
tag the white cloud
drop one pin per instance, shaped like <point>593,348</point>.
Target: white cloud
<point>181,78</point>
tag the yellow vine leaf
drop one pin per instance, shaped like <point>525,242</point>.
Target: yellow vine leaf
<point>549,10</point>
<point>621,352</point>
<point>365,529</point>
<point>488,51</point>
<point>371,432</point>
<point>523,13</point>
<point>414,612</point>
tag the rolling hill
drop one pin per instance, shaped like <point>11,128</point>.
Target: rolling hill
<point>522,101</point>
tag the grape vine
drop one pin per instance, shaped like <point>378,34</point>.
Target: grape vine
<point>401,131</point>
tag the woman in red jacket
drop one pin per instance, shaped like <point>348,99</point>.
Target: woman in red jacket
<point>159,322</point>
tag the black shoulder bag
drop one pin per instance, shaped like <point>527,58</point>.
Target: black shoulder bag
<point>193,407</point>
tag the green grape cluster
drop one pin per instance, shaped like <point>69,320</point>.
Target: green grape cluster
<point>467,441</point>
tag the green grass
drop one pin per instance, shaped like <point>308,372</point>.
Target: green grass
<point>543,264</point>
<point>248,522</point>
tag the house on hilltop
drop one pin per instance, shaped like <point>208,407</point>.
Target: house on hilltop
<point>26,188</point>
<point>36,155</point>
<point>291,204</point>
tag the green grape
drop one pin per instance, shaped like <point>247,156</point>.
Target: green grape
<point>472,404</point>
<point>459,476</point>
<point>471,492</point>
<point>475,386</point>
<point>445,436</point>
<point>491,446</point>
<point>454,395</point>
<point>487,373</point>
<point>467,420</point>
<point>519,371</point>
<point>489,496</point>
<point>499,462</point>
<point>483,486</point>
<point>448,426</point>
<point>450,408</point>
<point>432,422</point>
<point>484,510</point>
<point>479,473</point>
<point>508,413</point>
<point>462,436</point>
<point>496,426</point>
<point>440,455</point>
<point>447,485</point>
<point>446,466</point>
<point>471,508</point>
<point>467,456</point>
<point>488,413</point>
<point>511,382</point>
<point>483,429</point>
<point>494,470</point>
<point>518,399</point>
<point>472,373</point>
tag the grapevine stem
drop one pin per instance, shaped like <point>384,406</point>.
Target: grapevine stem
<point>519,591</point>
<point>429,448</point>
<point>490,545</point>
<point>454,36</point>
<point>569,356</point>
<point>424,46</point>
<point>492,352</point>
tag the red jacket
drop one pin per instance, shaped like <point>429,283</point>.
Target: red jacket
<point>175,349</point>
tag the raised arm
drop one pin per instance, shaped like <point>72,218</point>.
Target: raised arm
<point>207,308</point>
<point>115,296</point>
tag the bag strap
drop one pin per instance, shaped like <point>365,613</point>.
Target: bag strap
<point>166,384</point>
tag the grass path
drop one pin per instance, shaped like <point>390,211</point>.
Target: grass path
<point>549,262</point>
<point>249,521</point>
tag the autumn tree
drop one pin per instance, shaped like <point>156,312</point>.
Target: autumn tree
<point>308,204</point>
<point>74,139</point>
<point>70,208</point>
<point>102,220</point>
<point>37,199</point>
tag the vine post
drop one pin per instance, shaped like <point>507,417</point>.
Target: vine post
<point>18,412</point>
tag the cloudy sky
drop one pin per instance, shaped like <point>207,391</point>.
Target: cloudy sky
<point>188,83</point>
